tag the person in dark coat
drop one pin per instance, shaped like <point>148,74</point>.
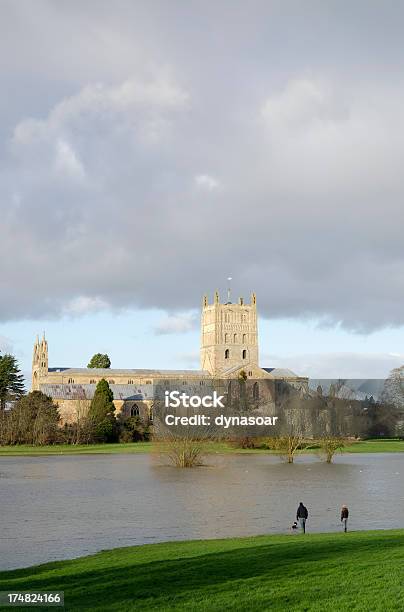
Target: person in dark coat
<point>301,516</point>
<point>344,516</point>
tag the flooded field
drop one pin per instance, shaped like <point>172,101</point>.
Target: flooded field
<point>68,506</point>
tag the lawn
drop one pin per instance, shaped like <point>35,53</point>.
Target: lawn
<point>363,446</point>
<point>376,446</point>
<point>358,571</point>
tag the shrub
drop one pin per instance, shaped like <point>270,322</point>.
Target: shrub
<point>181,451</point>
<point>133,429</point>
<point>244,442</point>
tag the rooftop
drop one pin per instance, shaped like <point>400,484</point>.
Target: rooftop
<point>110,372</point>
<point>86,392</point>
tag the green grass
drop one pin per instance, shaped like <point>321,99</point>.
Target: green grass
<point>376,446</point>
<point>364,446</point>
<point>358,571</point>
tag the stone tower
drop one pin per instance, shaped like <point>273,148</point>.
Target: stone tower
<point>229,336</point>
<point>39,361</point>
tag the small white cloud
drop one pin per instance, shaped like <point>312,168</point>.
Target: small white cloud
<point>134,101</point>
<point>67,162</point>
<point>159,93</point>
<point>84,305</point>
<point>301,102</point>
<point>207,182</point>
<point>178,324</point>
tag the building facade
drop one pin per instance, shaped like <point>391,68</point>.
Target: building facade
<point>229,336</point>
<point>229,349</point>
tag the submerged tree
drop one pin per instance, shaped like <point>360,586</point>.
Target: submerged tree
<point>183,446</point>
<point>286,445</point>
<point>329,445</point>
<point>11,379</point>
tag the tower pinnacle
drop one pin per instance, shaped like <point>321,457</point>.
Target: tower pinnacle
<point>229,279</point>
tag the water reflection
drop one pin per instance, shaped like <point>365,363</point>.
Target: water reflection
<point>63,507</point>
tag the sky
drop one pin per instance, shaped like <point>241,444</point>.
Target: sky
<point>148,150</point>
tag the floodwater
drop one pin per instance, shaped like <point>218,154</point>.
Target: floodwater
<point>67,506</point>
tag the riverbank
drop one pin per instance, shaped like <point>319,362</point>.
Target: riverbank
<point>363,446</point>
<point>357,571</point>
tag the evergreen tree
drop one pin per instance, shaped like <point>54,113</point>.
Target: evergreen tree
<point>11,379</point>
<point>99,361</point>
<point>101,413</point>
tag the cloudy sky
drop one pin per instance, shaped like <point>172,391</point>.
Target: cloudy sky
<point>150,149</point>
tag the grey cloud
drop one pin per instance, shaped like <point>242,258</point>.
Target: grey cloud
<point>177,324</point>
<point>172,146</point>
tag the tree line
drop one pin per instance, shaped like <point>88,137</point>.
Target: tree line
<point>33,418</point>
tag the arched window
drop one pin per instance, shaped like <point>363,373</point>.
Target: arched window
<point>92,381</point>
<point>244,338</point>
<point>228,316</point>
<point>244,354</point>
<point>235,338</point>
<point>134,411</point>
<point>111,382</point>
<point>226,354</point>
<point>226,338</point>
<point>256,391</point>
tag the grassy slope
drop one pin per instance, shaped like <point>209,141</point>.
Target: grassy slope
<point>359,571</point>
<point>365,446</point>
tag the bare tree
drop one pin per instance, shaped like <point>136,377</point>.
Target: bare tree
<point>82,427</point>
<point>184,446</point>
<point>329,445</point>
<point>287,445</point>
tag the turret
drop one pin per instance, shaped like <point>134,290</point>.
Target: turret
<point>39,361</point>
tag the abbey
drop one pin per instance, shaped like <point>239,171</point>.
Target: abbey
<point>229,349</point>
